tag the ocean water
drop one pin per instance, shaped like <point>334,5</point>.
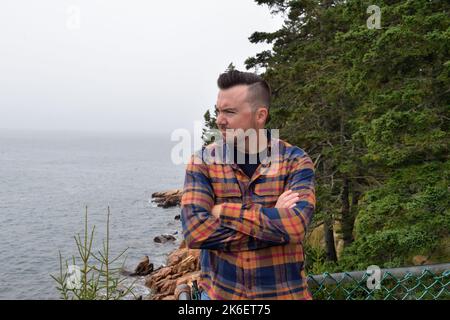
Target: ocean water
<point>46,181</point>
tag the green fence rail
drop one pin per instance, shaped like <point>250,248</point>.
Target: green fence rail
<point>430,282</point>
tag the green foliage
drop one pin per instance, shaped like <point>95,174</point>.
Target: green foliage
<point>316,262</point>
<point>372,108</point>
<point>230,67</point>
<point>210,124</point>
<point>408,216</point>
<point>99,279</point>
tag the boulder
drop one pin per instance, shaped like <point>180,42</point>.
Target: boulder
<point>189,264</point>
<point>183,267</point>
<point>176,256</point>
<point>168,286</point>
<point>168,199</point>
<point>188,278</point>
<point>157,276</point>
<point>164,238</point>
<point>143,268</point>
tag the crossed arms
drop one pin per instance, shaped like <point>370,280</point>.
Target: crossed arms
<point>236,227</point>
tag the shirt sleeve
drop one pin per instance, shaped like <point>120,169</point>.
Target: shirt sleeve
<point>201,229</point>
<point>288,224</point>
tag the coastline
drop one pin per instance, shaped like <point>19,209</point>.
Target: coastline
<point>182,264</point>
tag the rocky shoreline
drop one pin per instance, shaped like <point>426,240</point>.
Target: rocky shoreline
<point>167,199</point>
<point>182,268</point>
<point>182,265</point>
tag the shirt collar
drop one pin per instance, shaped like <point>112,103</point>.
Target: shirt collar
<point>275,151</point>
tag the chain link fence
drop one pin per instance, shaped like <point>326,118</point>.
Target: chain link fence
<point>429,282</point>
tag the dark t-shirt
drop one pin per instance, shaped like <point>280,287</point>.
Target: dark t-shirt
<point>251,161</point>
<point>249,167</point>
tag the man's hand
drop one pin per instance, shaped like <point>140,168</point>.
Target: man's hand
<point>216,210</point>
<point>287,199</point>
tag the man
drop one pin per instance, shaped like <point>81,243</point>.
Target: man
<point>249,219</point>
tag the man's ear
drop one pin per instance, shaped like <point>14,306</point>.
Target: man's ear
<point>262,114</point>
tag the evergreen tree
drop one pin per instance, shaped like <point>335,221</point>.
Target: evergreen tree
<point>371,107</point>
<point>210,124</point>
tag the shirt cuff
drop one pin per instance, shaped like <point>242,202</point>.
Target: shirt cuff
<point>231,213</point>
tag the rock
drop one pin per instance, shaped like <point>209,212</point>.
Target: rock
<point>159,296</point>
<point>182,259</point>
<point>168,199</point>
<point>188,278</point>
<point>171,202</point>
<point>164,272</point>
<point>183,267</point>
<point>420,260</point>
<point>143,268</point>
<point>168,286</point>
<point>176,256</point>
<point>165,193</point>
<point>189,264</point>
<point>164,238</point>
<point>157,276</point>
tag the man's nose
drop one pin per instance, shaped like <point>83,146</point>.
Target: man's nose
<point>221,121</point>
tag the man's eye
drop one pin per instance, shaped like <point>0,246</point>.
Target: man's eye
<point>226,111</point>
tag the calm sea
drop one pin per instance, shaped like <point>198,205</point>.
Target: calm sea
<point>47,179</point>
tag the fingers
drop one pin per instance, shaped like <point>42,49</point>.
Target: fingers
<point>288,199</point>
<point>291,202</point>
<point>291,196</point>
<point>288,195</point>
<point>216,210</point>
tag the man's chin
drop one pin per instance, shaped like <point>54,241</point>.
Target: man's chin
<point>230,137</point>
<point>227,137</point>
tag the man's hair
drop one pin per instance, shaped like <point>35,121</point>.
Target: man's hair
<point>259,91</point>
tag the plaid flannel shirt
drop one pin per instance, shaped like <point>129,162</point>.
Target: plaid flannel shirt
<point>253,250</point>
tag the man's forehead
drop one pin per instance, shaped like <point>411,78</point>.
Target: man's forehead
<point>233,95</point>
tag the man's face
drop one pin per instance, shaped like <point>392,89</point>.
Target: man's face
<point>235,112</point>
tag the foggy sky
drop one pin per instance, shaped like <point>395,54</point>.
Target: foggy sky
<point>136,65</point>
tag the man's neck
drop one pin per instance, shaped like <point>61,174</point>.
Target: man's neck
<point>262,141</point>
